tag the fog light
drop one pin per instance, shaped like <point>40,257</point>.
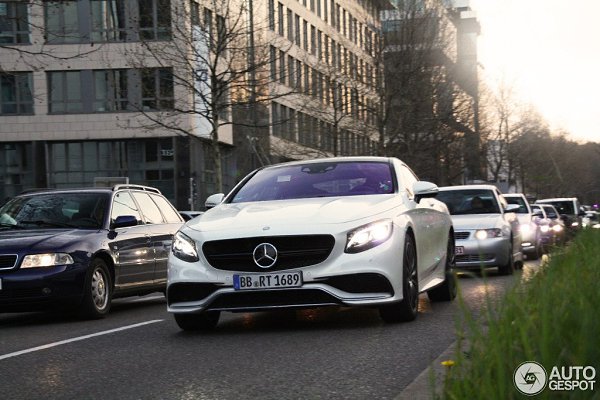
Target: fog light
<point>46,290</point>
<point>526,244</point>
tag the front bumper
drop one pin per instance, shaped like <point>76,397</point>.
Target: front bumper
<point>41,288</point>
<point>372,277</point>
<point>476,254</point>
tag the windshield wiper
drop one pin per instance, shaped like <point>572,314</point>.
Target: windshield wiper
<point>56,224</point>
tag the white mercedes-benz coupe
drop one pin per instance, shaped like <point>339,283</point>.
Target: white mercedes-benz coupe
<point>349,231</point>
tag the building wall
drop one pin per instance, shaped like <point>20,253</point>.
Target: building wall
<point>45,147</point>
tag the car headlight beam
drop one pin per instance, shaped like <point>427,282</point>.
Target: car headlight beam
<point>184,248</point>
<point>482,234</point>
<point>369,236</point>
<point>46,260</point>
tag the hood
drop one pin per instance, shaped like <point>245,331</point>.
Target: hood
<point>476,221</point>
<point>41,239</point>
<point>299,212</point>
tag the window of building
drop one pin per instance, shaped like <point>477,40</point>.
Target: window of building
<point>290,25</point>
<point>65,92</point>
<point>291,71</point>
<point>109,20</point>
<point>221,46</point>
<point>62,22</point>
<point>14,24</point>
<point>280,26</point>
<point>110,90</point>
<point>282,71</point>
<point>273,63</point>
<point>157,89</point>
<point>313,40</point>
<point>297,30</point>
<point>155,19</point>
<point>16,97</point>
<point>272,15</point>
<point>305,35</point>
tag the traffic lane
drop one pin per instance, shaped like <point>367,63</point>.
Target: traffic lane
<point>20,331</point>
<point>324,353</point>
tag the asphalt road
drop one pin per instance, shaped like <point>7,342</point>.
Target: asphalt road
<point>138,352</point>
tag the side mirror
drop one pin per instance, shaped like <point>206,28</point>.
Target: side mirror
<point>423,189</point>
<point>511,208</point>
<point>124,221</point>
<point>214,200</point>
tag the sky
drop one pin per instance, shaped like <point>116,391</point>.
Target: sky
<point>549,51</point>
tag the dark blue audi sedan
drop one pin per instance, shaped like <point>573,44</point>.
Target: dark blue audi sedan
<point>80,248</point>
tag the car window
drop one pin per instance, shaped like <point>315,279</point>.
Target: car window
<point>563,207</point>
<point>170,214</point>
<point>469,201</point>
<point>520,202</point>
<point>550,211</point>
<point>123,204</point>
<point>327,179</point>
<point>149,208</point>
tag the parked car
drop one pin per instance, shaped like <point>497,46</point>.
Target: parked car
<point>351,231</point>
<point>531,236</point>
<point>486,229</point>
<point>552,226</point>
<point>570,211</point>
<point>187,215</point>
<point>80,248</point>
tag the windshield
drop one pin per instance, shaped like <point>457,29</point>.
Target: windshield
<point>55,210</point>
<point>550,212</point>
<point>469,201</point>
<point>520,202</point>
<point>563,207</point>
<point>327,179</point>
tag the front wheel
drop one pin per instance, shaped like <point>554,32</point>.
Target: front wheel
<point>509,267</point>
<point>406,309</point>
<point>97,291</point>
<point>205,321</point>
<point>447,290</point>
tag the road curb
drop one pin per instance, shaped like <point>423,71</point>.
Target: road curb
<point>422,388</point>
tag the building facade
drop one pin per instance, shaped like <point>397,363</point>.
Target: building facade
<point>94,90</point>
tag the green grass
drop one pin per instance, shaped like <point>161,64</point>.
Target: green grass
<point>553,319</point>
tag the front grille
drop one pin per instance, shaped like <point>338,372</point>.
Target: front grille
<point>461,235</point>
<point>474,257</point>
<point>361,283</point>
<point>8,261</point>
<point>272,298</point>
<point>292,252</point>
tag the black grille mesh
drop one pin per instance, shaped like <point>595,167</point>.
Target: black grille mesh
<point>292,252</point>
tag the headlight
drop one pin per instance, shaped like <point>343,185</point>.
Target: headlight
<point>368,236</point>
<point>184,248</point>
<point>525,229</point>
<point>575,224</point>
<point>46,260</point>
<point>557,228</point>
<point>482,234</point>
<point>544,228</point>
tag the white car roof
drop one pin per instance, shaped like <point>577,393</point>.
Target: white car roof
<point>557,199</point>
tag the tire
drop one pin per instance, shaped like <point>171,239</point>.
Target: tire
<point>509,267</point>
<point>98,290</point>
<point>447,290</point>
<point>205,321</point>
<point>407,308</point>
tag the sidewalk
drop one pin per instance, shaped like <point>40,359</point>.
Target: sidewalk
<point>421,387</point>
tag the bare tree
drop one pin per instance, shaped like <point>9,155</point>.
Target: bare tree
<point>426,112</point>
<point>219,59</point>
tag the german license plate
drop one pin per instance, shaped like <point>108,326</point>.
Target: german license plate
<point>459,250</point>
<point>267,281</point>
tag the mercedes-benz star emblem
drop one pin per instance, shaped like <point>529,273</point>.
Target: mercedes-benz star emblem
<point>265,255</point>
